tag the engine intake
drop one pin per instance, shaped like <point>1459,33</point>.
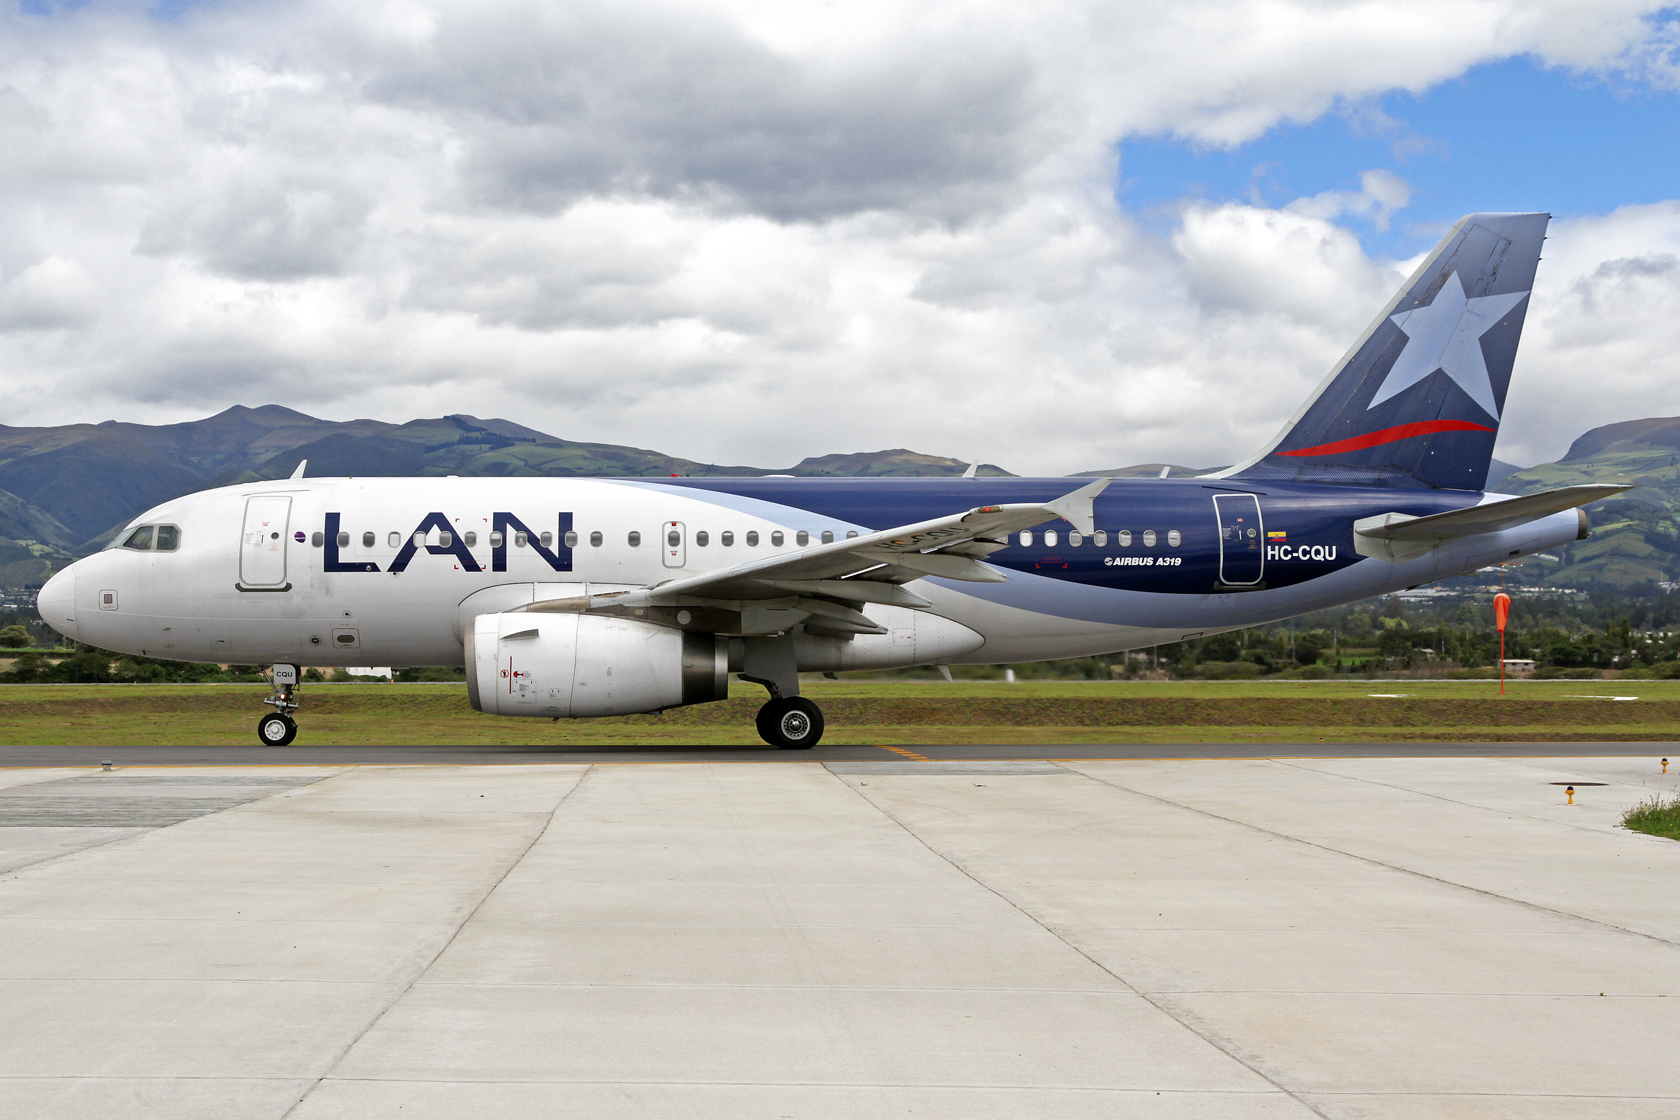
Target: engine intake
<point>578,665</point>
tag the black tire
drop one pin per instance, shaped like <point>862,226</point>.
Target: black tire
<point>276,729</point>
<point>791,724</point>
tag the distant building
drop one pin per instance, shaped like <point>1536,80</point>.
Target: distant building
<point>1519,666</point>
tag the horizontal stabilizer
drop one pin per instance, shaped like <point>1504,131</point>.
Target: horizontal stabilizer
<point>1401,536</point>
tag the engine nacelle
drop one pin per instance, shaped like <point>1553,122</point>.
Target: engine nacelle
<point>587,665</point>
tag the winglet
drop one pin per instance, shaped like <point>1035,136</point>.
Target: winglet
<point>973,469</point>
<point>1077,506</point>
<point>299,472</point>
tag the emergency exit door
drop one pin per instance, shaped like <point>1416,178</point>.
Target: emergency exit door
<point>674,543</point>
<point>262,547</point>
<point>1242,539</point>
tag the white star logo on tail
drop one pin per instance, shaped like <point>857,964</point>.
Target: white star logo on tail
<point>1447,336</point>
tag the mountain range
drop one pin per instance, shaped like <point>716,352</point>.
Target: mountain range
<point>64,490</point>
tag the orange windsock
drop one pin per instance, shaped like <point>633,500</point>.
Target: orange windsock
<point>1501,610</point>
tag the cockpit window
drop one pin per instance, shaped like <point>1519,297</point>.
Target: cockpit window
<point>148,538</point>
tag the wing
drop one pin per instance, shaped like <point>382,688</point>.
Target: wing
<point>948,546</point>
<point>865,569</point>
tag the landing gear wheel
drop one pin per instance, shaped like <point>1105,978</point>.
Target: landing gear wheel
<point>276,730</point>
<point>792,724</point>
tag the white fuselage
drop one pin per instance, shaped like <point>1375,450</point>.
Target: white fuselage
<point>232,592</point>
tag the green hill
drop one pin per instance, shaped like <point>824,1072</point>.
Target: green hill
<point>1635,536</point>
<point>65,490</point>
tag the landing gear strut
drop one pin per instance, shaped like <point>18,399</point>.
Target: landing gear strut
<point>791,723</point>
<point>788,721</point>
<point>278,728</point>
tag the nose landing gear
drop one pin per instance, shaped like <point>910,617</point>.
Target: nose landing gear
<point>278,728</point>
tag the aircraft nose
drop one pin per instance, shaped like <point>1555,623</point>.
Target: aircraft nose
<point>57,602</point>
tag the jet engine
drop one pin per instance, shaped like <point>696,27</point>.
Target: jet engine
<point>552,665</point>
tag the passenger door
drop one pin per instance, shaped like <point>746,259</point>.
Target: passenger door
<point>262,547</point>
<point>1242,539</point>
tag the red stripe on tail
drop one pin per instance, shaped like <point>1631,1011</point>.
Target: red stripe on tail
<point>1387,435</point>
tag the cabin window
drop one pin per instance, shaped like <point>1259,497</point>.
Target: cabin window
<point>1100,538</point>
<point>367,540</point>
<point>1026,538</point>
<point>394,540</point>
<point>752,538</point>
<point>140,540</point>
<point>1174,539</point>
<point>419,539</point>
<point>1075,539</point>
<point>344,540</point>
<point>496,540</point>
<point>168,538</point>
<point>445,540</point>
<point>570,539</point>
<point>520,540</point>
<point>471,539</point>
<point>1049,538</point>
<point>802,538</point>
<point>673,539</point>
<point>727,538</point>
<point>317,539</point>
<point>595,539</point>
<point>702,538</point>
<point>828,536</point>
<point>850,533</point>
<point>776,539</point>
<point>547,540</point>
<point>1124,536</point>
<point>635,539</point>
<point>1149,538</point>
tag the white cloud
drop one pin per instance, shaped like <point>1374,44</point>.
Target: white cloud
<point>50,294</point>
<point>747,232</point>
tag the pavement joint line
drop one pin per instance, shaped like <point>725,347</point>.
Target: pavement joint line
<point>1392,867</point>
<point>420,974</point>
<point>690,1083</point>
<point>1132,992</point>
<point>1058,935</point>
<point>1507,813</point>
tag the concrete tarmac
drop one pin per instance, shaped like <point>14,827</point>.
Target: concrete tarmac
<point>369,755</point>
<point>1372,937</point>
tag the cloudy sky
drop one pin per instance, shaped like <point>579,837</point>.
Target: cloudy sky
<point>1058,236</point>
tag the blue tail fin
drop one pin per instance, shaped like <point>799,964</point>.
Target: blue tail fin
<point>1416,402</point>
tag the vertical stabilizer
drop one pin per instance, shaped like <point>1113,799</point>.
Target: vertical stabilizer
<point>1417,400</point>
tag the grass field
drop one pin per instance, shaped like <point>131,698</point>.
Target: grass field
<point>1027,712</point>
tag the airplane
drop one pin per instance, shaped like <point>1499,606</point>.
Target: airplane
<point>574,598</point>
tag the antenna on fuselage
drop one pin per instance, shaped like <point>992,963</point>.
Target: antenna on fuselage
<point>299,472</point>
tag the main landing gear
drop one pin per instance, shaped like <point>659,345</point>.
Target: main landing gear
<point>278,728</point>
<point>790,723</point>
